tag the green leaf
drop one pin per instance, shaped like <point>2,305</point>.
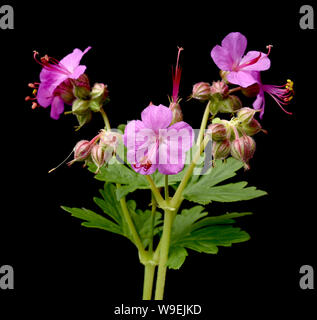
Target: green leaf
<point>116,223</point>
<point>193,230</point>
<point>129,179</point>
<point>93,220</point>
<point>176,257</point>
<point>204,190</point>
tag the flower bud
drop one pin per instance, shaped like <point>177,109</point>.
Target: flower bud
<point>243,149</point>
<point>252,127</point>
<point>217,131</point>
<point>229,104</point>
<point>80,107</point>
<point>201,91</point>
<point>100,155</point>
<point>99,92</point>
<point>177,112</point>
<point>82,87</point>
<point>251,91</point>
<point>219,87</point>
<point>82,150</point>
<point>220,149</point>
<point>245,115</point>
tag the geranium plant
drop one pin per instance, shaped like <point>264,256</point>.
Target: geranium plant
<point>163,155</point>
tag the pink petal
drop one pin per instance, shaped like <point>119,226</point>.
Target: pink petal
<point>157,117</point>
<point>52,77</point>
<point>57,107</point>
<point>222,58</point>
<point>44,94</point>
<point>185,131</point>
<point>263,63</point>
<point>175,141</point>
<point>259,103</point>
<point>235,43</point>
<point>78,72</point>
<point>241,78</point>
<point>170,168</point>
<point>71,61</point>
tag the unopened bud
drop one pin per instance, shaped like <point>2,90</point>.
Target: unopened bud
<point>251,91</point>
<point>245,115</point>
<point>82,87</point>
<point>217,131</point>
<point>252,127</point>
<point>80,107</point>
<point>201,91</point>
<point>230,104</point>
<point>100,156</point>
<point>81,151</point>
<point>177,112</point>
<point>219,87</point>
<point>220,149</point>
<point>99,92</point>
<point>243,149</point>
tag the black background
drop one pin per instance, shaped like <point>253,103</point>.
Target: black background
<point>133,49</point>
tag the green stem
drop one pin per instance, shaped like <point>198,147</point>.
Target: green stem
<point>164,249</point>
<point>152,223</point>
<point>156,192</point>
<point>135,235</point>
<point>203,125</point>
<point>105,118</point>
<point>178,194</point>
<point>149,270</point>
<point>166,188</point>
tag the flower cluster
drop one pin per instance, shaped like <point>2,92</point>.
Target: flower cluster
<point>98,150</point>
<point>64,82</point>
<point>244,71</point>
<point>234,136</point>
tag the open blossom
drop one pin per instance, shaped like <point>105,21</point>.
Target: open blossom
<point>155,144</point>
<point>229,57</point>
<point>281,94</point>
<point>54,79</point>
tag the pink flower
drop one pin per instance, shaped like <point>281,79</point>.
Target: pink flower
<point>53,76</point>
<point>229,57</point>
<point>281,94</point>
<point>153,144</point>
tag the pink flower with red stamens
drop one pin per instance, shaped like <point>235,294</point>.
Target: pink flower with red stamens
<point>281,94</point>
<point>229,57</point>
<point>155,144</point>
<point>52,76</point>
